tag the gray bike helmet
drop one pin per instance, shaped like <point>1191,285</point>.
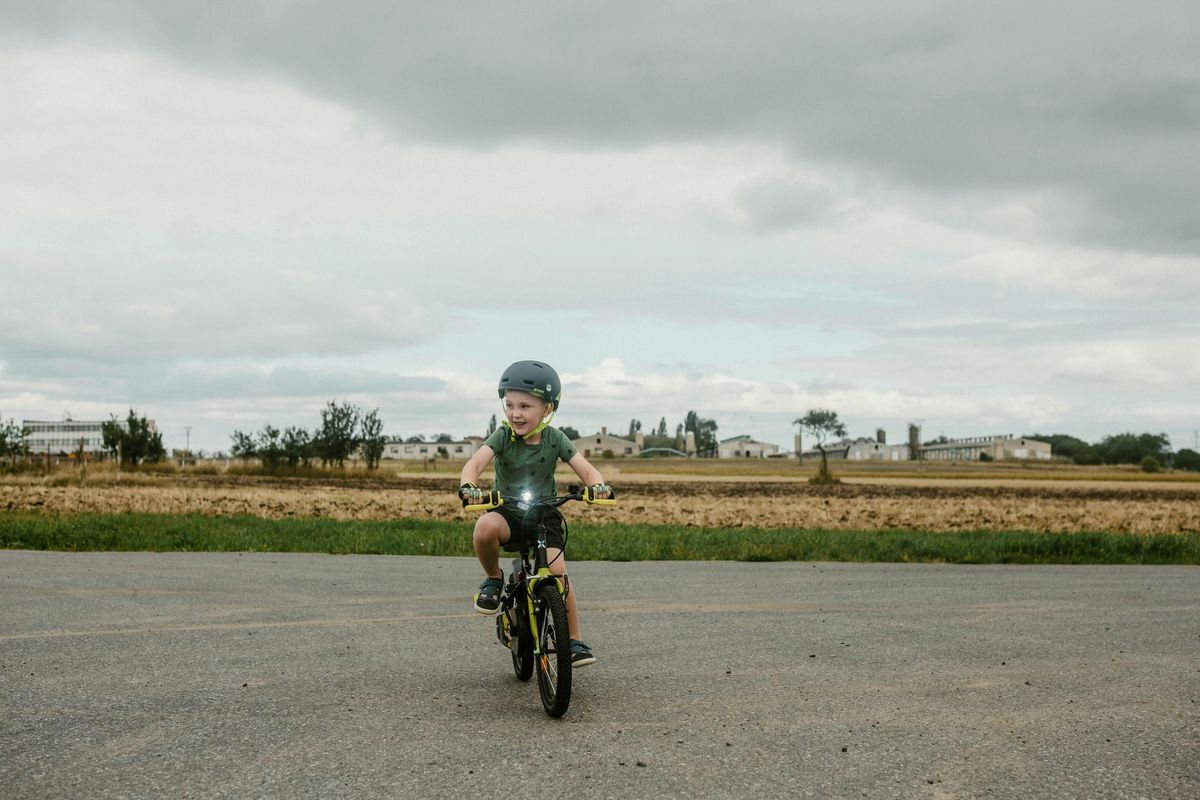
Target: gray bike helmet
<point>539,379</point>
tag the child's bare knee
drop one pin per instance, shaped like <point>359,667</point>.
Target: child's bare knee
<point>490,528</point>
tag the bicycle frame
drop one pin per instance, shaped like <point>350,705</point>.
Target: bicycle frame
<point>541,573</point>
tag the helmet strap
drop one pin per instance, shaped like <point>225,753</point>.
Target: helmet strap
<point>541,426</point>
<point>512,433</point>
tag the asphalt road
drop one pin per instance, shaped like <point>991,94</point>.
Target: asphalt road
<point>296,676</point>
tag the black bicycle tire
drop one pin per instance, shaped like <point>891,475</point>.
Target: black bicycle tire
<point>522,647</point>
<point>554,689</point>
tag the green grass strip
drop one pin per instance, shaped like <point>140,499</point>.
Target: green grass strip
<point>166,533</point>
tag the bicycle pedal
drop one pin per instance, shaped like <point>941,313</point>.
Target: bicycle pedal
<point>502,633</point>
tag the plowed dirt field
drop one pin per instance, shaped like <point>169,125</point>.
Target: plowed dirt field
<point>1055,506</point>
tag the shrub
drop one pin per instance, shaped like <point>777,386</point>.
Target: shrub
<point>1150,464</point>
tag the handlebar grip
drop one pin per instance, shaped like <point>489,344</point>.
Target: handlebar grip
<point>611,500</point>
<point>492,500</point>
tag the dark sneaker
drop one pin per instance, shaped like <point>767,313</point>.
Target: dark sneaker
<point>581,654</point>
<point>487,599</point>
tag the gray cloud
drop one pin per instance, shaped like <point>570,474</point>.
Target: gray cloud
<point>1092,103</point>
<point>285,381</point>
<point>152,379</point>
<point>180,311</point>
<point>774,204</point>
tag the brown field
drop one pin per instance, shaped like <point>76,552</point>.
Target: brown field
<point>955,502</point>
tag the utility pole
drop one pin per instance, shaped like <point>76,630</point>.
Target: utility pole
<point>187,453</point>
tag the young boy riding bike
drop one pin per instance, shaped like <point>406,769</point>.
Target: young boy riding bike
<point>526,450</point>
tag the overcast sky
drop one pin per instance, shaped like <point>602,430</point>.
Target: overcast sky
<point>985,217</point>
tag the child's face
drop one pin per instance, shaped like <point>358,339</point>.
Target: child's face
<point>524,411</point>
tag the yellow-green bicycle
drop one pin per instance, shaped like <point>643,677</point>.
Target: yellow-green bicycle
<point>532,622</point>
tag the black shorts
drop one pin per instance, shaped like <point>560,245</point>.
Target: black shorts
<point>548,521</point>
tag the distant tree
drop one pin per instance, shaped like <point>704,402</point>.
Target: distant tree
<point>337,438</point>
<point>373,440</point>
<point>443,438</point>
<point>297,446</point>
<point>570,432</point>
<point>242,446</point>
<point>1130,448</point>
<point>268,446</point>
<point>135,440</point>
<point>12,442</point>
<point>635,425</point>
<point>820,424</point>
<point>147,444</point>
<point>1151,464</point>
<point>705,431</point>
<point>492,425</point>
<point>1065,446</point>
<point>1187,459</point>
<point>110,436</point>
<point>655,439</point>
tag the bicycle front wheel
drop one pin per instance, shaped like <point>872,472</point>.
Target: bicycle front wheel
<point>554,650</point>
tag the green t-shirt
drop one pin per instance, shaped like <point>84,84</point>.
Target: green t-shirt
<point>528,467</point>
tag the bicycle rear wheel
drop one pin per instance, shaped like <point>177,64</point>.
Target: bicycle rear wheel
<point>521,645</point>
<point>554,650</point>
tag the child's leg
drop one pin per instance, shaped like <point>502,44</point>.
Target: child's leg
<point>491,530</point>
<point>558,565</point>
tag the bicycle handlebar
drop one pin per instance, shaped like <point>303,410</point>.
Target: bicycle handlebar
<point>495,500</point>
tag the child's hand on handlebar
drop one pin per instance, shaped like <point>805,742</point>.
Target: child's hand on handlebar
<point>470,494</point>
<point>598,491</point>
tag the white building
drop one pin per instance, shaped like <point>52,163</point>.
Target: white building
<point>976,448</point>
<point>416,450</point>
<point>603,444</point>
<point>746,447</point>
<point>872,450</point>
<point>66,436</point>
